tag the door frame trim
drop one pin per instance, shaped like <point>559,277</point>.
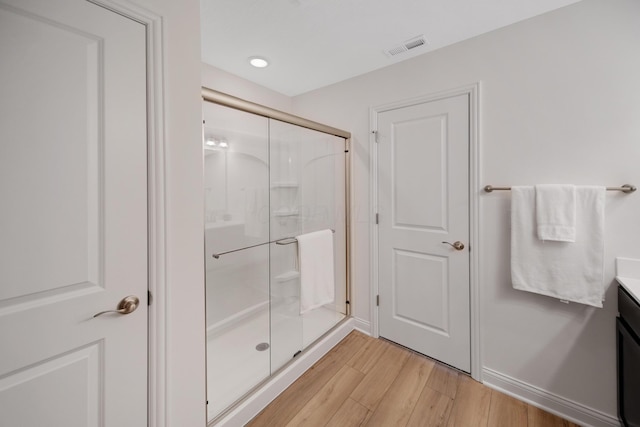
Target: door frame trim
<point>473,91</point>
<point>157,332</point>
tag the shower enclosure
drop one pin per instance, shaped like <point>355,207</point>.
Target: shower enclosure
<point>267,180</point>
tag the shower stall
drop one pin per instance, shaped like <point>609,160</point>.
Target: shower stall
<point>269,177</point>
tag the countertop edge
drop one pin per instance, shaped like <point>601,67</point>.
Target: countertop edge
<point>632,286</point>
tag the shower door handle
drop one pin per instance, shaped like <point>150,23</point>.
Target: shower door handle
<point>125,306</point>
<point>457,245</point>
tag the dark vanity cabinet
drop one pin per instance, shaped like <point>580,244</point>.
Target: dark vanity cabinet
<point>628,347</point>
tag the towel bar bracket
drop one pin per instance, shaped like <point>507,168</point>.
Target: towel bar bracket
<point>287,241</point>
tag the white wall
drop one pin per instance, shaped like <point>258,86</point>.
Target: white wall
<point>217,79</point>
<point>184,269</point>
<point>560,102</point>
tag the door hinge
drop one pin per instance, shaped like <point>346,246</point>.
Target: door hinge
<point>375,135</point>
<point>347,146</point>
<point>377,218</point>
<point>377,300</point>
<point>149,298</point>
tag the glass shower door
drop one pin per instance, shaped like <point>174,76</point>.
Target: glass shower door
<point>236,165</point>
<point>286,324</point>
<point>307,194</point>
<point>266,183</point>
<point>323,206</point>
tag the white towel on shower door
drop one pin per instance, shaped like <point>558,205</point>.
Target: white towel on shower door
<point>317,280</point>
<point>567,271</point>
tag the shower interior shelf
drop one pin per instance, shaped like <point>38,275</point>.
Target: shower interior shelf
<point>284,184</point>
<point>286,212</point>
<point>289,275</point>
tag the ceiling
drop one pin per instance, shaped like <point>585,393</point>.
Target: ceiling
<point>314,43</point>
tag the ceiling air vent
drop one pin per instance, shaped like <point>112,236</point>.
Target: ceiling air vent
<point>406,46</point>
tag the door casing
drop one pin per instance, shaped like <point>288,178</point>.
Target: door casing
<point>157,396</point>
<point>473,91</point>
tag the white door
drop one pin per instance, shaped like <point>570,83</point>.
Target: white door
<point>423,196</point>
<point>73,217</point>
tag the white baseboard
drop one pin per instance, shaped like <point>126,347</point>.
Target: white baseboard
<point>363,326</point>
<point>252,405</point>
<point>550,402</point>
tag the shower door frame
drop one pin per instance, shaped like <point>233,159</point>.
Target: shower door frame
<point>221,98</point>
<point>226,100</point>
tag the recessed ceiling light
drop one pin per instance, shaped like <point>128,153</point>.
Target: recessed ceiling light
<point>258,62</point>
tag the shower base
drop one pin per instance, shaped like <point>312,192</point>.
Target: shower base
<point>234,365</point>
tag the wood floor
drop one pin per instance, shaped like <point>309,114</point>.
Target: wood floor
<point>370,382</point>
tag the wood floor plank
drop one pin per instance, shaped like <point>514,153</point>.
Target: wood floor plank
<point>287,405</point>
<point>447,398</point>
<point>328,399</point>
<point>540,418</point>
<point>505,411</point>
<point>365,359</point>
<point>375,384</point>
<point>401,398</point>
<point>444,380</point>
<point>432,410</point>
<point>350,414</point>
<point>471,405</point>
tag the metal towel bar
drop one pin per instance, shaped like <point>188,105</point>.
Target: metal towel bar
<point>285,241</point>
<point>626,188</point>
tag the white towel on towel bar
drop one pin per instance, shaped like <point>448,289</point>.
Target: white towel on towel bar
<point>317,281</point>
<point>556,212</point>
<point>567,271</point>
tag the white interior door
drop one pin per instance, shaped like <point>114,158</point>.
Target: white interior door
<point>73,223</point>
<point>423,196</point>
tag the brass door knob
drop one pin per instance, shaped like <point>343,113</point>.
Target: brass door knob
<point>457,245</point>
<point>125,306</point>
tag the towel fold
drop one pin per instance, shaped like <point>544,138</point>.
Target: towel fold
<point>556,212</point>
<point>567,271</point>
<point>317,281</point>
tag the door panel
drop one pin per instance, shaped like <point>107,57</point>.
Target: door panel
<point>409,293</point>
<point>79,371</point>
<point>417,162</point>
<point>73,228</point>
<point>424,202</point>
<point>33,180</point>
